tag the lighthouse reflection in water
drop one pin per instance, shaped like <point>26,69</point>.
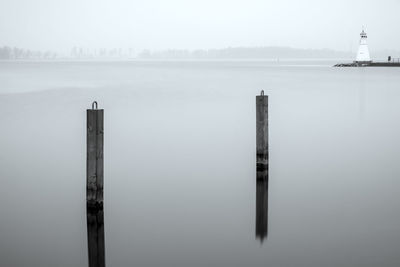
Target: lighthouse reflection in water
<point>262,204</point>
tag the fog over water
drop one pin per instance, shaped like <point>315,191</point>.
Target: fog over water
<point>156,24</point>
<point>178,82</point>
<point>180,178</point>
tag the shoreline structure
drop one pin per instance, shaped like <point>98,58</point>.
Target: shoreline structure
<point>363,58</point>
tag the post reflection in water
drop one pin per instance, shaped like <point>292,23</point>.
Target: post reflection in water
<point>95,230</point>
<point>262,204</point>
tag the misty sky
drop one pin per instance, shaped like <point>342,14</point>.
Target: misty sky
<point>155,24</point>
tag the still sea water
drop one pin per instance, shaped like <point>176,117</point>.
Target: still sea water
<point>180,177</point>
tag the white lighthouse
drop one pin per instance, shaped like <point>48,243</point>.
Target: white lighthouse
<point>363,52</point>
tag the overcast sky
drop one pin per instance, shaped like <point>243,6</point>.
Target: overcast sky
<point>155,24</point>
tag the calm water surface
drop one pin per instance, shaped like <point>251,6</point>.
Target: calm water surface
<point>180,178</point>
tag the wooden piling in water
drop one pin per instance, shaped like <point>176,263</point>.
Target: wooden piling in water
<point>262,133</point>
<point>94,163</point>
<point>94,186</point>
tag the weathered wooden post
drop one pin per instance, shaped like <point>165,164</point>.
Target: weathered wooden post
<point>94,186</point>
<point>262,166</point>
<point>94,163</point>
<point>262,134</point>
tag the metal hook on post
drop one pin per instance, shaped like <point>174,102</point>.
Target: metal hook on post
<point>93,104</point>
<point>262,92</point>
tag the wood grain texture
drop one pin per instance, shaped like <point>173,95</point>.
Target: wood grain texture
<point>95,162</point>
<point>262,132</point>
<point>94,187</point>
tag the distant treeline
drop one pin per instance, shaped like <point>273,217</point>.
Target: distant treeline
<point>247,52</point>
<point>7,52</point>
<point>87,53</point>
<point>225,53</point>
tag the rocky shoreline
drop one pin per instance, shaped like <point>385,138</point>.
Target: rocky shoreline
<point>369,64</point>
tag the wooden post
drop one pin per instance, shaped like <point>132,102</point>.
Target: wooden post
<point>94,186</point>
<point>262,133</point>
<point>262,166</point>
<point>94,163</point>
